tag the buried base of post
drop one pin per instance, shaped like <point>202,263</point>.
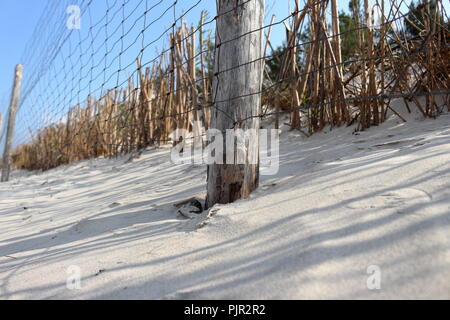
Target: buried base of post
<point>231,182</point>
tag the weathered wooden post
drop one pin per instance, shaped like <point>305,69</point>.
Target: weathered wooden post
<point>237,98</point>
<point>11,121</point>
<point>1,126</point>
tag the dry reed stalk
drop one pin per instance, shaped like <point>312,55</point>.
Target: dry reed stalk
<point>168,95</point>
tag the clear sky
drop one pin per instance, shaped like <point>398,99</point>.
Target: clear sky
<point>17,21</point>
<point>58,90</point>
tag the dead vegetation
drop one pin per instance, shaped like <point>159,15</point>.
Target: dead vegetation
<point>313,83</point>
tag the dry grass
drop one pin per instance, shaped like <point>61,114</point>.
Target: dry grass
<point>320,91</point>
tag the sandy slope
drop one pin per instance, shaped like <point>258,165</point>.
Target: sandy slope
<point>340,203</point>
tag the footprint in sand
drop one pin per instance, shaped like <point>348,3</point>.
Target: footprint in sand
<point>405,200</point>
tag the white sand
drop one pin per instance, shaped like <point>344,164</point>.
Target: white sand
<point>340,203</point>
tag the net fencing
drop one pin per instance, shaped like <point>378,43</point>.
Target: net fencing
<point>110,77</point>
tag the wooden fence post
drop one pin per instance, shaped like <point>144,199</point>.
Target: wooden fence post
<point>11,121</point>
<point>1,123</point>
<point>237,97</point>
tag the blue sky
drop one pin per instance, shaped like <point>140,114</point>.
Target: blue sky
<point>60,88</point>
<point>18,19</point>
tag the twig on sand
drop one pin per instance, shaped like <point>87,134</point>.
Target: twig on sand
<point>11,257</point>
